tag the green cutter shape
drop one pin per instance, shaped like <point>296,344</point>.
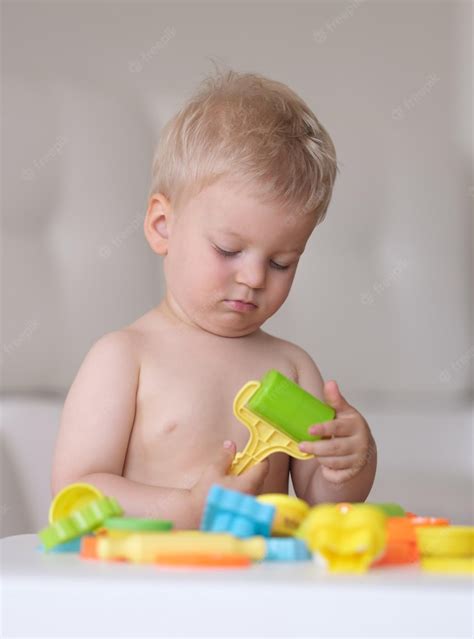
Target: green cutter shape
<point>80,522</point>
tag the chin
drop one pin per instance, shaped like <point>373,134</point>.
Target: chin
<point>229,329</point>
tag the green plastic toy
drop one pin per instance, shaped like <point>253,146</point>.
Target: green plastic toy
<point>277,413</point>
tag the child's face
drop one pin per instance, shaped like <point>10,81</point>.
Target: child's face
<point>225,247</point>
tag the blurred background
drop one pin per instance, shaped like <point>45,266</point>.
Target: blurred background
<point>383,300</point>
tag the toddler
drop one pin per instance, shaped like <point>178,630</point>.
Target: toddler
<point>241,177</point>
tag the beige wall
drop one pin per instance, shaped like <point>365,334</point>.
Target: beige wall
<point>383,297</point>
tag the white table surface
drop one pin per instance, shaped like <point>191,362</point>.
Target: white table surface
<point>60,595</point>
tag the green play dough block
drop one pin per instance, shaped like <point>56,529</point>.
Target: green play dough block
<point>137,524</point>
<point>288,407</point>
<point>391,510</point>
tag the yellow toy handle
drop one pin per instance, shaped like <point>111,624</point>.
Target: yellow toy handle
<point>264,440</point>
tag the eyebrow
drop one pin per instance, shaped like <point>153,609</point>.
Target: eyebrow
<point>233,233</point>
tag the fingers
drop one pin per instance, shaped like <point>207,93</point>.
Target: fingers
<point>339,463</point>
<point>338,427</point>
<point>225,457</point>
<point>336,447</point>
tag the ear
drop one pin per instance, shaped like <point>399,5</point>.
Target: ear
<point>158,222</point>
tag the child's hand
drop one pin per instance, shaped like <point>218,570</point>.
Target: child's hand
<point>250,482</point>
<point>348,443</point>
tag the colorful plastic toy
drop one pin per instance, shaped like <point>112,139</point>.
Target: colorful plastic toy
<point>346,537</point>
<point>71,498</point>
<point>198,560</point>
<point>390,509</point>
<point>81,521</point>
<point>120,526</point>
<point>402,546</point>
<point>146,547</point>
<point>236,513</point>
<point>448,565</point>
<point>287,549</point>
<point>277,413</point>
<point>446,541</point>
<point>290,512</point>
<point>416,520</point>
<point>68,546</point>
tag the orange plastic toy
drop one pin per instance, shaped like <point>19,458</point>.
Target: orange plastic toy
<point>200,560</point>
<point>402,546</point>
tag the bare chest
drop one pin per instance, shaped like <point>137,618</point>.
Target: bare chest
<point>184,411</point>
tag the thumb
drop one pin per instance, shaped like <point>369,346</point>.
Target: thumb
<point>225,457</point>
<point>333,397</point>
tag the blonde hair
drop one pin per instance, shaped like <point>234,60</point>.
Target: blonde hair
<point>247,126</point>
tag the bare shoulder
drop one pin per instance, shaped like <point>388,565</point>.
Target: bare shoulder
<point>118,348</point>
<point>306,371</point>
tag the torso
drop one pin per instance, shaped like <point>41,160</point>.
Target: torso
<point>187,384</point>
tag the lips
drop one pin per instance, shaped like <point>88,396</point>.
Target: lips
<point>240,305</point>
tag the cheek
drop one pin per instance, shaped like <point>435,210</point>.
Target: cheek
<point>280,288</point>
<point>215,271</point>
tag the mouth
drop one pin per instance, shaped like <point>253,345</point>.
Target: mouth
<point>240,305</point>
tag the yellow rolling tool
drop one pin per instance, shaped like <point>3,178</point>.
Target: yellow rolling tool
<point>146,547</point>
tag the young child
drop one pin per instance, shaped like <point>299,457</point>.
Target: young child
<point>241,177</point>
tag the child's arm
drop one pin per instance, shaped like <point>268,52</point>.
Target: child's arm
<point>95,428</point>
<point>344,468</point>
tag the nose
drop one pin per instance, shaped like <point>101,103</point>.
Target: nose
<point>252,273</point>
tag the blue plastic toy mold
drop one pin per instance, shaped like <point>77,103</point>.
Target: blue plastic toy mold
<point>287,549</point>
<point>236,513</point>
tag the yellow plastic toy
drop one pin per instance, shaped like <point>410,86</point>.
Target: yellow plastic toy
<point>446,549</point>
<point>446,541</point>
<point>450,565</point>
<point>277,413</point>
<point>146,547</point>
<point>347,537</point>
<point>290,512</point>
<point>70,498</point>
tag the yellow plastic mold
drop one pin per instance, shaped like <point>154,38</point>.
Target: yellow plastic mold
<point>450,565</point>
<point>446,541</point>
<point>347,537</point>
<point>264,439</point>
<point>290,512</point>
<point>70,498</point>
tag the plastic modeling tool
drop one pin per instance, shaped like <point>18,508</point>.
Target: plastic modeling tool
<point>150,547</point>
<point>83,520</point>
<point>72,497</point>
<point>230,511</point>
<point>277,413</point>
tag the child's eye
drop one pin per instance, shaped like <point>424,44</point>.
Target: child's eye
<point>224,252</point>
<point>279,267</point>
<point>274,265</point>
